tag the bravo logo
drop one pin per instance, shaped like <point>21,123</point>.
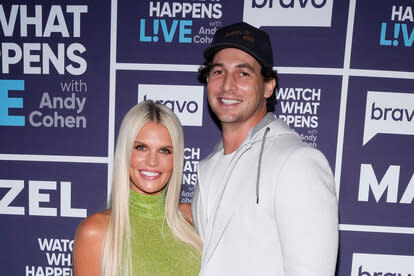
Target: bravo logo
<point>389,113</point>
<point>309,13</point>
<point>382,265</point>
<point>185,100</point>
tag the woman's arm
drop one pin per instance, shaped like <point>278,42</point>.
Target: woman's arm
<point>185,209</point>
<point>87,249</point>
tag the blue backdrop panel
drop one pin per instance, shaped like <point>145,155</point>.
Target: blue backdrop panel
<point>46,201</point>
<point>383,35</point>
<point>382,167</point>
<point>373,244</point>
<point>70,71</point>
<point>60,80</point>
<point>171,33</point>
<point>310,106</point>
<point>307,46</point>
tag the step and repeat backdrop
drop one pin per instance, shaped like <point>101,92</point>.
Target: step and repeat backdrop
<point>70,71</point>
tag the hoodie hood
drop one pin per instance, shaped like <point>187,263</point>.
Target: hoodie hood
<point>268,127</point>
<point>276,127</point>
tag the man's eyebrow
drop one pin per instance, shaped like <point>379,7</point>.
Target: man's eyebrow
<point>241,65</point>
<point>246,66</point>
<point>216,65</point>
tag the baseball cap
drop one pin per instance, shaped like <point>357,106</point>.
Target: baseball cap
<point>244,37</point>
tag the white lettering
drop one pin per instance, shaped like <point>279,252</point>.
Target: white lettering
<point>11,54</point>
<point>398,15</point>
<point>56,14</point>
<point>37,119</point>
<point>192,153</point>
<point>184,10</point>
<point>55,20</point>
<point>389,182</point>
<point>25,20</point>
<point>65,202</point>
<point>298,94</point>
<point>16,186</point>
<point>408,195</point>
<point>37,58</point>
<point>35,197</point>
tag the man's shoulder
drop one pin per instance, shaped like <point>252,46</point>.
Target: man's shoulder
<point>212,158</point>
<point>217,150</point>
<point>282,137</point>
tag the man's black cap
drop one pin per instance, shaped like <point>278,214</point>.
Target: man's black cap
<point>244,37</point>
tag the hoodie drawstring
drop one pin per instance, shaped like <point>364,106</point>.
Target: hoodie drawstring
<point>259,166</point>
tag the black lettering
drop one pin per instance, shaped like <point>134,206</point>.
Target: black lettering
<point>181,108</point>
<point>363,273</point>
<point>320,5</point>
<point>303,3</point>
<point>194,109</point>
<point>290,4</point>
<point>262,5</point>
<point>373,112</point>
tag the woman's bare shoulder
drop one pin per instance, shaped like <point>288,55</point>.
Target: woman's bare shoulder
<point>94,226</point>
<point>89,238</point>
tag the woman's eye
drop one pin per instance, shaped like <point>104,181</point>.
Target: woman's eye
<point>140,147</point>
<point>166,151</point>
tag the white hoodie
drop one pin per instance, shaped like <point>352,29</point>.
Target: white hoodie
<point>271,210</point>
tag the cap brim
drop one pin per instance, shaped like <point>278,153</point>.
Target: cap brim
<point>211,51</point>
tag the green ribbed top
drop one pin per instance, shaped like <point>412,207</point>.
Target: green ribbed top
<point>155,250</point>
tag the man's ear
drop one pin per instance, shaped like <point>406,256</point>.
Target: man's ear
<point>269,87</point>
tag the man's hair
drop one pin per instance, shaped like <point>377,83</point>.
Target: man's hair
<point>267,74</point>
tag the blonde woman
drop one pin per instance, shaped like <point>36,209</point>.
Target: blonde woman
<point>143,232</point>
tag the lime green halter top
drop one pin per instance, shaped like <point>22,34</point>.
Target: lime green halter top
<point>155,250</point>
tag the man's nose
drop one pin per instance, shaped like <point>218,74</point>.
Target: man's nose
<point>228,82</point>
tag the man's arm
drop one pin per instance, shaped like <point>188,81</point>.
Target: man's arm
<point>307,215</point>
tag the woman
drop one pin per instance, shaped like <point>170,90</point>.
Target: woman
<point>132,238</point>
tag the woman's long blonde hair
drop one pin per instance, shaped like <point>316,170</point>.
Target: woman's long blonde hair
<point>116,257</point>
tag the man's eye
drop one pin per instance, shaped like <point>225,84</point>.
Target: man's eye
<point>244,74</point>
<point>217,72</point>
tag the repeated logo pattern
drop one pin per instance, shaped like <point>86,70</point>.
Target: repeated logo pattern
<point>70,72</point>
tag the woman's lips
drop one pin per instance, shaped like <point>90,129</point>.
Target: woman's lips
<point>146,174</point>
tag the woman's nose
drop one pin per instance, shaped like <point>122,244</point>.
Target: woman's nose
<point>152,158</point>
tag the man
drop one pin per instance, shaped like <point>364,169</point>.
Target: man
<point>265,203</point>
